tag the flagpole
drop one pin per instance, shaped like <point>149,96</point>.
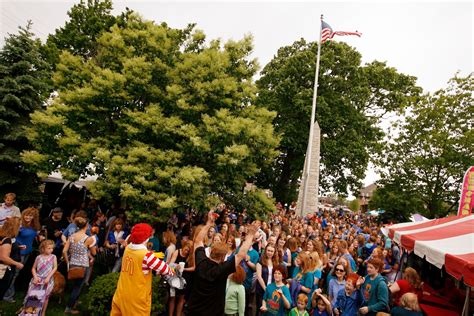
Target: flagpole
<point>311,125</point>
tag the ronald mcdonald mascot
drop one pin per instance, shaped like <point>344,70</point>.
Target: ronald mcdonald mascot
<point>133,294</point>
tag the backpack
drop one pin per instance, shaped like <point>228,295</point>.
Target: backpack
<point>389,301</point>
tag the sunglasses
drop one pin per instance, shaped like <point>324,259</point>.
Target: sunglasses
<point>340,270</point>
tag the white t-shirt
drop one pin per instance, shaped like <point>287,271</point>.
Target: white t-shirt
<point>6,211</point>
<point>270,271</point>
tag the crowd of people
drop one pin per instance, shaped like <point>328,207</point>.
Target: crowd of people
<point>327,263</point>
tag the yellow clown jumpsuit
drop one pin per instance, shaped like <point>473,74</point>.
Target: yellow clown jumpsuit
<point>133,294</point>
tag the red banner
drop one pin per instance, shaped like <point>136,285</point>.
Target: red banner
<point>466,202</point>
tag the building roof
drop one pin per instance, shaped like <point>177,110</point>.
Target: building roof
<point>368,189</point>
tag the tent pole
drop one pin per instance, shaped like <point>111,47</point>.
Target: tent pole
<point>465,310</point>
<point>400,267</point>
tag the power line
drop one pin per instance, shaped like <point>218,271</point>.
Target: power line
<point>17,20</point>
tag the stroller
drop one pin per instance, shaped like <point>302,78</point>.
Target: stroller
<point>34,302</point>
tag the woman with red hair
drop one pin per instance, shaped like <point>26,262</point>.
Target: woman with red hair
<point>235,293</point>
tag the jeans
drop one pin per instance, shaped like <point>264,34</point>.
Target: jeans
<point>249,302</point>
<point>118,265</point>
<point>77,286</point>
<point>258,301</point>
<point>6,281</point>
<point>10,293</point>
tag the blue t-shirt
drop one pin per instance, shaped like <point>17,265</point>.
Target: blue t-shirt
<point>316,274</point>
<point>388,243</point>
<point>25,237</point>
<point>306,280</point>
<point>275,304</point>
<point>386,265</point>
<point>253,254</point>
<point>334,288</point>
<point>155,243</point>
<point>72,229</point>
<point>317,312</point>
<point>351,261</point>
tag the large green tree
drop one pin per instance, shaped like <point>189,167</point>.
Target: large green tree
<point>424,164</point>
<point>352,98</point>
<point>163,119</point>
<point>24,84</point>
<point>396,200</point>
<point>87,21</point>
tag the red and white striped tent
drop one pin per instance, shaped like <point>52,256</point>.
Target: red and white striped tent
<point>447,242</point>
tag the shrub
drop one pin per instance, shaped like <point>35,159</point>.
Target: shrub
<point>101,292</point>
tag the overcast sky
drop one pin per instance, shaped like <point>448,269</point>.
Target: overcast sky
<point>429,40</point>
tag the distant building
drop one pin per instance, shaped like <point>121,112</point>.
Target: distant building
<point>365,195</point>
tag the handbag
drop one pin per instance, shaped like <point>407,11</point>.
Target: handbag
<point>76,273</point>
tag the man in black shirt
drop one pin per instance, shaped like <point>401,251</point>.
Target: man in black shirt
<point>210,276</point>
<point>55,224</point>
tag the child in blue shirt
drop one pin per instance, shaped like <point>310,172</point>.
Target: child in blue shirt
<point>349,299</point>
<point>321,306</point>
<point>277,298</point>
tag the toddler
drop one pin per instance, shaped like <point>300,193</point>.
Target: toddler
<point>43,270</point>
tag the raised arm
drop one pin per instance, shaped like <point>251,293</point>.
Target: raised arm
<point>245,246</point>
<point>319,293</point>
<point>198,242</point>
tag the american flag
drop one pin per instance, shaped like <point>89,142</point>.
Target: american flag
<point>326,32</point>
<point>342,33</point>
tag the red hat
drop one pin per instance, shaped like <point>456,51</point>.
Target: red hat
<point>140,233</point>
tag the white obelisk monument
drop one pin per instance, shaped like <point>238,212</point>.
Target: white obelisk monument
<point>309,187</point>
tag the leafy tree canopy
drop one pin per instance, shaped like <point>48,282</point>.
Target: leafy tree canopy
<point>161,118</point>
<point>24,82</point>
<point>87,21</point>
<point>426,162</point>
<point>352,98</point>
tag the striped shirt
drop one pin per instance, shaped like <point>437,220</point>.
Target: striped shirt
<point>152,262</point>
